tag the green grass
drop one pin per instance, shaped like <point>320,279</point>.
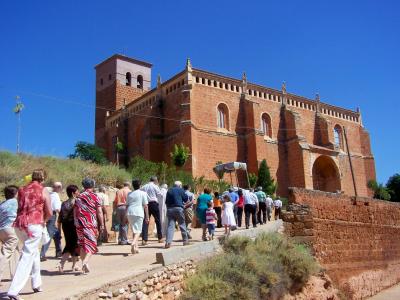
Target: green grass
<point>265,268</point>
<point>13,169</point>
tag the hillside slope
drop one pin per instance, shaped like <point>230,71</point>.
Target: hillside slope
<point>13,169</point>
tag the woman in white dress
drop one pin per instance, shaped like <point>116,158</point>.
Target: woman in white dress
<point>137,212</point>
<point>228,218</point>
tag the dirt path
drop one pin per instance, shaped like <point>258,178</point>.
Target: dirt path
<point>112,263</point>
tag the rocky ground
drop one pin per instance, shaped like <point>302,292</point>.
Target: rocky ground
<point>164,284</point>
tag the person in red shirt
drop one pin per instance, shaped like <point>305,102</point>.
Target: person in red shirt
<point>240,205</point>
<point>34,210</point>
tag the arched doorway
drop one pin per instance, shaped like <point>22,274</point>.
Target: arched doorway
<point>326,175</point>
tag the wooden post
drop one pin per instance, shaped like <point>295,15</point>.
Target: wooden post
<point>248,180</point>
<point>237,181</point>
<point>351,164</point>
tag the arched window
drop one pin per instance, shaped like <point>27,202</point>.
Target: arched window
<point>266,125</point>
<point>223,116</point>
<point>338,136</point>
<point>128,79</point>
<point>139,82</point>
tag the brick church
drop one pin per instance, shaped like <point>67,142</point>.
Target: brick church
<point>306,143</point>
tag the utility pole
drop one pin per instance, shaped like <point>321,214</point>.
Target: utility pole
<point>17,110</point>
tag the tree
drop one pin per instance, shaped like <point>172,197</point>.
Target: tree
<point>253,180</point>
<point>90,152</point>
<point>393,186</point>
<point>265,180</point>
<point>180,155</point>
<point>380,191</point>
<point>119,147</point>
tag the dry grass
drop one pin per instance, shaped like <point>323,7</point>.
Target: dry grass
<point>13,169</point>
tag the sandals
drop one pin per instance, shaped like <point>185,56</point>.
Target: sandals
<point>134,249</point>
<point>14,297</point>
<point>85,269</point>
<point>60,269</point>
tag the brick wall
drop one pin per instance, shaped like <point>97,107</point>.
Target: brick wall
<point>356,240</point>
<point>185,111</point>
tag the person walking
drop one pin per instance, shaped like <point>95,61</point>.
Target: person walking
<point>120,208</point>
<point>105,204</point>
<point>66,223</point>
<point>218,208</point>
<point>262,211</point>
<point>269,203</point>
<point>137,212</point>
<point>250,208</point>
<point>87,215</point>
<point>163,210</point>
<point>52,229</point>
<point>8,237</point>
<point>240,206</point>
<point>153,194</point>
<point>201,210</point>
<point>234,199</point>
<point>228,217</point>
<point>176,196</point>
<point>34,210</point>
<point>188,206</point>
<point>211,218</point>
<point>278,208</point>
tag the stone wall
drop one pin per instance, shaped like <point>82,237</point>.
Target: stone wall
<point>357,240</point>
<point>166,284</point>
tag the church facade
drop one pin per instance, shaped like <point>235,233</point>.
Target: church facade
<point>306,143</point>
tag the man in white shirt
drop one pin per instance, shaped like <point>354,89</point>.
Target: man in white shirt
<point>270,203</point>
<point>54,233</point>
<point>153,194</point>
<point>278,207</point>
<point>250,208</point>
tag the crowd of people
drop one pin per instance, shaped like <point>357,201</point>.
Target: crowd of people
<point>34,216</point>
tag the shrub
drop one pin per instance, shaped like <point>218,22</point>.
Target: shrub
<point>180,155</point>
<point>236,244</point>
<point>265,268</point>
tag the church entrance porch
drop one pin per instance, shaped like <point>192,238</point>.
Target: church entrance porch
<point>326,175</point>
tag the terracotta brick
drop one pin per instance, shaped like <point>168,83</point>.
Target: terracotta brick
<point>300,152</point>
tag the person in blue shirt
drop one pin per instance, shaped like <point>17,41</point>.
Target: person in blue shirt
<point>201,209</point>
<point>8,237</point>
<point>175,199</point>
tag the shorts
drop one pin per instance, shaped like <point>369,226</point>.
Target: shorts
<point>211,228</point>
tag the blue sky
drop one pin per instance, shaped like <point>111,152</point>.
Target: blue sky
<point>348,51</point>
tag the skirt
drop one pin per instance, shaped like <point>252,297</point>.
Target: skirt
<point>136,223</point>
<point>87,239</point>
<point>71,239</point>
<point>228,218</point>
<point>188,215</point>
<point>201,215</point>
